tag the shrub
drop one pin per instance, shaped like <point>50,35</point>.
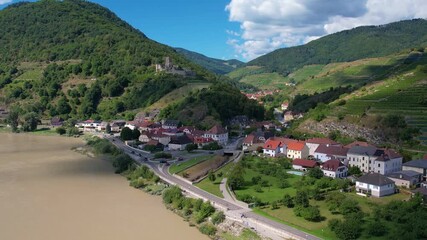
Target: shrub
<point>61,130</point>
<point>207,229</point>
<point>162,155</point>
<point>122,163</point>
<point>212,146</point>
<point>218,217</point>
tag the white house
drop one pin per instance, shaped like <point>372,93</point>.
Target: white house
<point>374,184</point>
<point>218,134</point>
<point>372,159</point>
<point>272,147</point>
<point>179,143</point>
<point>334,168</point>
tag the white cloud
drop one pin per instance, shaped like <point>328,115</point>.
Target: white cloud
<point>5,1</point>
<point>270,24</point>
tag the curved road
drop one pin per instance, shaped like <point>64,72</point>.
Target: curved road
<point>259,223</point>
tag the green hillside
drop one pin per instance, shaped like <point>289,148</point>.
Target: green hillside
<point>217,66</point>
<point>78,59</point>
<point>349,45</point>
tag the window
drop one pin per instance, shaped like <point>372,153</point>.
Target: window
<point>379,165</point>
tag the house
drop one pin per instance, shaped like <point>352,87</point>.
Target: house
<point>144,137</point>
<point>179,143</point>
<point>284,106</point>
<point>201,141</point>
<point>103,126</point>
<point>422,190</point>
<point>313,143</point>
<point>170,124</point>
<point>272,147</point>
<point>327,152</point>
<point>297,149</point>
<point>334,168</point>
<point>419,166</point>
<point>288,116</point>
<point>372,159</point>
<point>161,137</point>
<point>374,184</point>
<point>303,164</point>
<point>56,122</point>
<point>218,134</point>
<point>256,139</point>
<point>117,125</point>
<point>88,125</point>
<point>405,178</point>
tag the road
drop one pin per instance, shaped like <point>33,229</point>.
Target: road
<point>260,224</point>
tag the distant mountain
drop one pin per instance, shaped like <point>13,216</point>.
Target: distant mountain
<point>349,45</point>
<point>217,66</point>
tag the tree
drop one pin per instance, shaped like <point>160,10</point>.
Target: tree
<point>211,176</point>
<point>315,173</point>
<point>30,122</point>
<point>334,200</point>
<point>191,147</point>
<point>311,213</point>
<point>236,180</point>
<point>122,163</point>
<point>301,199</point>
<point>376,228</point>
<point>354,170</point>
<point>72,131</point>
<point>13,119</point>
<point>63,107</point>
<point>108,128</point>
<point>348,229</point>
<point>126,134</point>
<point>287,200</point>
<point>349,206</point>
<point>135,133</point>
<point>218,217</point>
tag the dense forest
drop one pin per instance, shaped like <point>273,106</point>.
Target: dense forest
<point>349,45</point>
<point>217,66</point>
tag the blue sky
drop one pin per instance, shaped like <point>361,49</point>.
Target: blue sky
<point>246,29</point>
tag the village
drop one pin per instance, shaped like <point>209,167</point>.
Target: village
<point>380,171</point>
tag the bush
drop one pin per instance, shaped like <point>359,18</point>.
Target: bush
<point>207,229</point>
<point>61,130</point>
<point>191,147</point>
<point>288,201</point>
<point>122,163</point>
<point>218,218</point>
<point>212,146</point>
<point>311,213</point>
<point>171,194</point>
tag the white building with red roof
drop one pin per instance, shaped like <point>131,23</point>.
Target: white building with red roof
<point>334,168</point>
<point>272,147</point>
<point>297,149</point>
<point>218,134</point>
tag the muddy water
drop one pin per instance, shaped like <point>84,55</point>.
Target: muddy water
<point>49,192</point>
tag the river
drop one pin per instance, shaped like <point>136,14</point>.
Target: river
<point>48,191</point>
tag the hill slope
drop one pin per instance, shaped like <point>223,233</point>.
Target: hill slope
<point>76,58</point>
<point>217,66</point>
<point>349,45</point>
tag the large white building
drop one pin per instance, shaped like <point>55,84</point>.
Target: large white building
<point>372,159</point>
<point>218,134</point>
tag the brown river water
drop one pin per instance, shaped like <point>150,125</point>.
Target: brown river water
<point>48,191</point>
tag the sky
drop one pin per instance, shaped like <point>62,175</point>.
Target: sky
<point>246,29</point>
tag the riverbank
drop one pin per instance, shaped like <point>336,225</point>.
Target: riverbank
<point>48,191</point>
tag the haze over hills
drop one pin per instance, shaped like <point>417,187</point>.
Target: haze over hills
<point>217,66</point>
<point>77,59</point>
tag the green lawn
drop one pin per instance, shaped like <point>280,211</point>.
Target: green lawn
<point>213,187</point>
<point>180,166</point>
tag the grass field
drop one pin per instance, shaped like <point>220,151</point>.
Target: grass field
<point>202,168</point>
<point>181,166</point>
<point>213,187</point>
<point>245,235</point>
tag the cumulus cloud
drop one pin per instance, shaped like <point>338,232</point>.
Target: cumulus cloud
<point>266,25</point>
<point>5,1</point>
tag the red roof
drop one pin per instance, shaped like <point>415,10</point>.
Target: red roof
<point>153,142</point>
<point>296,146</point>
<point>332,150</point>
<point>321,141</point>
<point>332,165</point>
<point>249,139</point>
<point>217,130</point>
<point>272,144</point>
<point>198,140</point>
<point>304,163</point>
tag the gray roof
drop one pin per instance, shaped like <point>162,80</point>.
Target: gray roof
<point>362,150</point>
<point>405,174</point>
<point>375,179</point>
<point>416,163</point>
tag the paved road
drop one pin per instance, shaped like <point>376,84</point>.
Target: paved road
<point>258,223</point>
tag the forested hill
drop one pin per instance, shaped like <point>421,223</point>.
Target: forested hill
<point>78,59</point>
<point>217,66</point>
<point>349,45</point>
